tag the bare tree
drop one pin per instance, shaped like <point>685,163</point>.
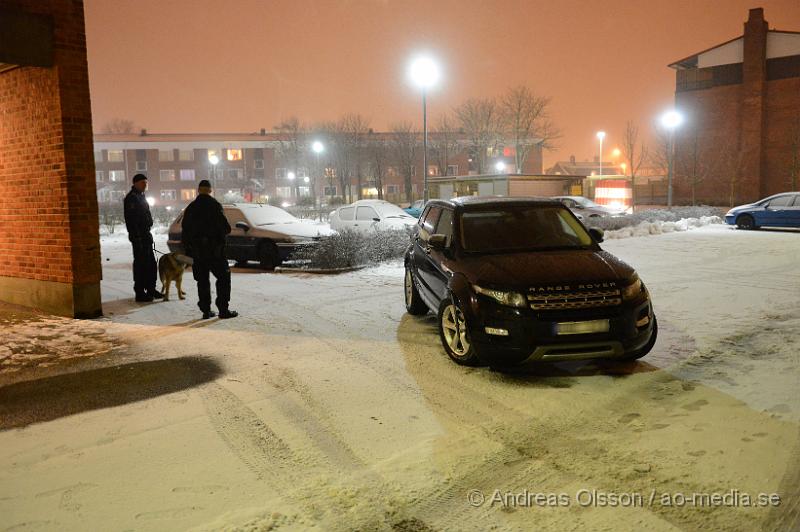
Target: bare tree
<point>443,142</point>
<point>293,147</point>
<point>526,121</point>
<point>695,165</point>
<point>119,126</point>
<point>405,140</point>
<point>635,154</point>
<point>356,128</point>
<point>378,158</point>
<point>481,121</point>
<point>347,139</point>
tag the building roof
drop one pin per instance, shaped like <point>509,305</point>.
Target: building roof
<point>780,43</point>
<point>582,168</point>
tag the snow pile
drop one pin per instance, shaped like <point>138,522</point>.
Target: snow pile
<point>675,214</point>
<point>350,249</point>
<point>660,227</point>
<point>42,341</point>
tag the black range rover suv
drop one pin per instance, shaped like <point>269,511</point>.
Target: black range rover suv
<point>518,279</point>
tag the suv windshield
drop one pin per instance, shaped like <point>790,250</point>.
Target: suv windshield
<point>522,229</point>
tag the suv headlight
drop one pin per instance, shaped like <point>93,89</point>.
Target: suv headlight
<point>509,299</point>
<point>633,290</point>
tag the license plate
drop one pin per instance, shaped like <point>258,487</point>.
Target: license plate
<point>582,327</point>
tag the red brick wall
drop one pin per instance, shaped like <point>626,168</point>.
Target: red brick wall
<point>48,206</point>
<point>782,114</point>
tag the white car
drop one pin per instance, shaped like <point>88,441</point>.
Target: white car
<point>259,232</point>
<point>367,216</point>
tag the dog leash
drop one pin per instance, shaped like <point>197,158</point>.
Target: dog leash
<point>157,251</point>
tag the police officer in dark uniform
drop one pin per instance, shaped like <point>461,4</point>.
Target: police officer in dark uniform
<point>139,222</point>
<point>203,232</point>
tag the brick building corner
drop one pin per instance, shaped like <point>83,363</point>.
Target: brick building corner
<point>49,237</point>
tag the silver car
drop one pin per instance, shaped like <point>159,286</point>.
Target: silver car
<point>260,233</point>
<point>586,208</point>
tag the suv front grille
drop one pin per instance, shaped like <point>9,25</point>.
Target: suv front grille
<point>575,299</point>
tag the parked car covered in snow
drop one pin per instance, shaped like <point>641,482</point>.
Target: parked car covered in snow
<point>365,216</point>
<point>521,279</point>
<point>586,208</point>
<point>259,232</point>
<point>780,210</point>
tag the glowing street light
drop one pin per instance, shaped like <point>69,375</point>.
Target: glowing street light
<point>616,152</point>
<point>317,147</point>
<point>151,200</point>
<point>600,136</point>
<point>214,160</point>
<point>424,73</point>
<point>291,176</point>
<point>500,166</point>
<point>671,120</point>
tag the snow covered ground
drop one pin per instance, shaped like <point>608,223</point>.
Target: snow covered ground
<point>325,406</point>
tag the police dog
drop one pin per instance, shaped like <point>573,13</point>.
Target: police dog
<point>170,268</point>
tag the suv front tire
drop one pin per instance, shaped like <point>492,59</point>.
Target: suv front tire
<point>454,334</point>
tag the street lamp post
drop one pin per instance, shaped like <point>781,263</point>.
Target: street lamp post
<point>601,135</point>
<point>671,120</point>
<point>424,72</point>
<point>214,160</point>
<point>317,147</point>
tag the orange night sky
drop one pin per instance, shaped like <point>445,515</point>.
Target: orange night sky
<point>240,65</point>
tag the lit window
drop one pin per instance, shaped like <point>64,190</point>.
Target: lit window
<point>166,155</point>
<point>116,175</point>
<point>433,170</point>
<point>283,192</point>
<point>211,154</point>
<point>166,175</point>
<point>168,195</point>
<point>186,155</point>
<point>188,194</point>
<point>187,174</point>
<point>115,156</point>
<point>234,155</point>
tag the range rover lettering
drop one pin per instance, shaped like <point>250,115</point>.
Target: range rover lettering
<point>521,279</point>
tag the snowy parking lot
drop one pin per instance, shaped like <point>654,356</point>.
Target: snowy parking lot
<point>324,405</point>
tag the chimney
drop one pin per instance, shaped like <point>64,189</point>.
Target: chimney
<point>263,131</point>
<point>143,132</point>
<point>755,46</point>
<point>572,159</point>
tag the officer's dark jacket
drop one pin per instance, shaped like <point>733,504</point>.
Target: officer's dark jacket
<point>137,215</point>
<point>204,228</point>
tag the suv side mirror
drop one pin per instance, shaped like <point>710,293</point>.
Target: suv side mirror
<point>597,234</point>
<point>243,226</point>
<point>437,242</point>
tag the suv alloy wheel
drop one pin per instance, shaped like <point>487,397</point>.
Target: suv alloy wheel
<point>454,334</point>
